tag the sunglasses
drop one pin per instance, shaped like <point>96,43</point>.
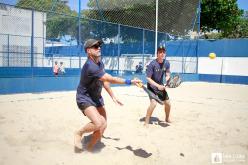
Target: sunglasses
<point>96,46</point>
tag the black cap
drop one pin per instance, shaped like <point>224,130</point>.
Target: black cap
<point>91,42</point>
<point>161,48</point>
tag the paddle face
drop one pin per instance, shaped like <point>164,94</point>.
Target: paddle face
<point>150,93</point>
<point>174,81</point>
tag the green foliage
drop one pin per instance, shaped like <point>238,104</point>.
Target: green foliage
<point>59,25</point>
<point>35,4</point>
<point>124,12</point>
<point>221,15</point>
<point>175,16</point>
<point>212,35</point>
<point>224,16</point>
<point>59,16</point>
<point>241,30</point>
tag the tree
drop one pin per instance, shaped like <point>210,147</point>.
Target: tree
<point>221,15</point>
<point>60,18</point>
<point>241,30</point>
<point>175,16</point>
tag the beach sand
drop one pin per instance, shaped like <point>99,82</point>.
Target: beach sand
<point>208,118</point>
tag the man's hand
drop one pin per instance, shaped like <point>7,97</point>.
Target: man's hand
<point>135,81</point>
<point>117,101</point>
<point>161,87</point>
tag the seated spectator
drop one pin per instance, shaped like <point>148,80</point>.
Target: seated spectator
<point>139,68</point>
<point>61,68</point>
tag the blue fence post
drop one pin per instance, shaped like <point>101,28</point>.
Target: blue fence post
<point>32,42</point>
<point>197,53</point>
<point>52,55</point>
<point>44,42</point>
<point>118,48</point>
<point>143,47</point>
<point>183,57</point>
<point>8,50</point>
<point>198,29</point>
<point>79,33</point>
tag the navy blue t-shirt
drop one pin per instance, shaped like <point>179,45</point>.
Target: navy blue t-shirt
<point>156,71</point>
<point>90,87</point>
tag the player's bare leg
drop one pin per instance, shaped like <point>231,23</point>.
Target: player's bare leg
<point>167,108</point>
<point>90,127</point>
<point>94,138</point>
<point>97,135</point>
<point>102,112</point>
<point>92,113</point>
<point>77,140</point>
<point>149,111</point>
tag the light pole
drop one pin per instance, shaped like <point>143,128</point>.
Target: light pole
<point>156,29</point>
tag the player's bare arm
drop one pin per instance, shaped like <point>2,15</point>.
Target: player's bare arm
<point>116,80</point>
<point>107,87</point>
<point>152,82</point>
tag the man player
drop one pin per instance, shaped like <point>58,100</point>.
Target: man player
<point>155,71</point>
<point>89,98</point>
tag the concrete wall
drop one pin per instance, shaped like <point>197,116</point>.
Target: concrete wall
<point>15,36</point>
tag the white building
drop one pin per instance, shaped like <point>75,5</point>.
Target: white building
<point>15,36</point>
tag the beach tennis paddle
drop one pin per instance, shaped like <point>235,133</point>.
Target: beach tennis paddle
<point>174,81</point>
<point>150,93</point>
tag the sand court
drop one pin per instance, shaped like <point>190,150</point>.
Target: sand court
<point>208,118</point>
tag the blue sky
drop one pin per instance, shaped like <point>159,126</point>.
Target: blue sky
<point>243,4</point>
<point>74,4</point>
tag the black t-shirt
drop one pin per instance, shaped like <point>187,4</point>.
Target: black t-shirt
<point>90,87</point>
<point>156,71</point>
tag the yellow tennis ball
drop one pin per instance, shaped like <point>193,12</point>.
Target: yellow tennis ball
<point>212,55</point>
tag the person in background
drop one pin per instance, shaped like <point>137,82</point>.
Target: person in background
<point>89,98</point>
<point>56,69</point>
<point>61,68</point>
<point>139,68</point>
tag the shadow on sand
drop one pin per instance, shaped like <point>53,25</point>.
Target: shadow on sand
<point>85,140</point>
<point>138,152</point>
<point>106,137</point>
<point>156,121</point>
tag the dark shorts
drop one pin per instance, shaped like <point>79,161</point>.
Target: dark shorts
<point>163,95</point>
<point>84,106</point>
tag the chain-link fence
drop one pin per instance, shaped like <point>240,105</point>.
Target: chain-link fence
<point>36,33</point>
<point>174,16</point>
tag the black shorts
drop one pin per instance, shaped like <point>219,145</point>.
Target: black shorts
<point>83,106</point>
<point>163,95</point>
